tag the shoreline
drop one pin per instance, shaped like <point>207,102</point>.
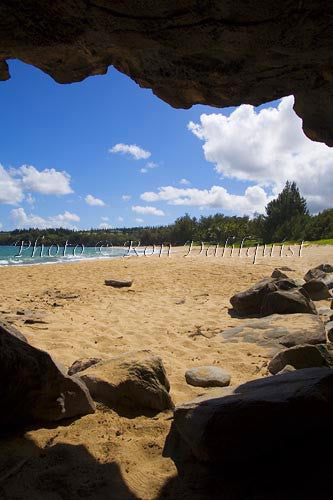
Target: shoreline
<point>176,251</point>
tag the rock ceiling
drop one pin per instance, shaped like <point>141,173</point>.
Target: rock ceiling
<point>217,52</point>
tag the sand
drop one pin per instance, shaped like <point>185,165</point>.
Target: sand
<point>176,307</point>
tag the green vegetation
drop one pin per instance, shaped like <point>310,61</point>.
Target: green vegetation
<point>287,220</point>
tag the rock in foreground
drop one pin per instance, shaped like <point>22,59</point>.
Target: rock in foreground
<point>244,422</point>
<point>207,376</point>
<point>33,387</point>
<point>135,379</point>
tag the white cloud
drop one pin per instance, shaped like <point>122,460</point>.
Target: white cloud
<point>96,202</point>
<point>149,165</point>
<point>23,220</point>
<point>268,147</point>
<point>47,181</point>
<point>137,219</point>
<point>126,197</point>
<point>14,183</point>
<point>132,149</point>
<point>105,219</point>
<point>11,191</point>
<point>147,210</point>
<point>254,199</point>
<point>0,225</point>
<point>184,182</point>
<point>104,225</point>
<point>67,217</point>
<point>120,219</point>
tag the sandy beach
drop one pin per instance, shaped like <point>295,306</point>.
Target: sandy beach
<point>176,307</point>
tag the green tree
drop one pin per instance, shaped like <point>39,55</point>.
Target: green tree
<point>279,212</point>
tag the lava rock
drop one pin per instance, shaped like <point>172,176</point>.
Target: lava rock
<point>36,388</point>
<point>303,356</point>
<point>224,54</point>
<point>236,423</point>
<point>287,302</point>
<point>250,301</point>
<point>316,289</point>
<point>136,379</point>
<point>323,272</point>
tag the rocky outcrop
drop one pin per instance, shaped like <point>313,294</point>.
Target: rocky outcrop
<point>303,356</point>
<point>269,296</point>
<point>241,422</point>
<point>220,53</point>
<point>323,272</point>
<point>34,387</point>
<point>287,302</point>
<point>135,379</point>
<point>316,289</point>
<point>278,331</point>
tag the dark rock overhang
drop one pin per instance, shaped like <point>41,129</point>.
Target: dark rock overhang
<point>217,52</point>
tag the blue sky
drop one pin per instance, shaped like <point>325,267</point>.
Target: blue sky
<point>204,159</point>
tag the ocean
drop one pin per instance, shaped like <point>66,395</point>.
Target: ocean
<point>12,256</point>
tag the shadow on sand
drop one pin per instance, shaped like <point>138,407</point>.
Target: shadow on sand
<point>57,472</point>
<point>67,472</point>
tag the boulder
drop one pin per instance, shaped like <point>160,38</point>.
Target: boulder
<point>287,302</point>
<point>207,376</point>
<point>323,272</point>
<point>250,301</point>
<point>278,331</point>
<point>303,356</point>
<point>82,364</point>
<point>316,289</point>
<point>239,423</point>
<point>34,387</point>
<point>136,379</point>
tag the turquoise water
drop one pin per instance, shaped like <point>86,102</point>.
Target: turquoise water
<point>13,256</point>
